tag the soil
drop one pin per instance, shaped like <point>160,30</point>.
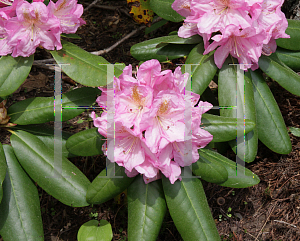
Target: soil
<point>267,211</point>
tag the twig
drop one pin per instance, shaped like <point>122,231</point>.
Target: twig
<point>104,51</point>
<point>287,181</point>
<point>265,222</point>
<point>91,5</point>
<point>285,223</point>
<point>44,61</point>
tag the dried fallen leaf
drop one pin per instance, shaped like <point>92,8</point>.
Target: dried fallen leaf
<point>141,11</point>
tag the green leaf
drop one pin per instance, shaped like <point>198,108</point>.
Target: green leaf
<point>86,143</point>
<point>294,131</point>
<point>13,72</point>
<point>175,39</point>
<point>225,128</point>
<point>163,48</point>
<point>70,35</point>
<point>210,170</point>
<point>189,209</point>
<point>270,124</point>
<point>155,26</point>
<point>106,186</point>
<point>278,71</point>
<point>20,217</point>
<point>289,58</point>
<point>163,9</point>
<point>81,66</point>
<point>95,231</point>
<point>40,109</point>
<point>3,168</point>
<point>293,30</point>
<point>46,134</point>
<point>237,90</point>
<point>238,176</point>
<point>146,209</point>
<point>203,68</point>
<point>59,178</point>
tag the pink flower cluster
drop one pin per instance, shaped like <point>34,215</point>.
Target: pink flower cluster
<point>150,122</point>
<point>243,28</point>
<point>25,26</point>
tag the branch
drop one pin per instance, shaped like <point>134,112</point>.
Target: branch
<point>91,5</point>
<point>105,51</point>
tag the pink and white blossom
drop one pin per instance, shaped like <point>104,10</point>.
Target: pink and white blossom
<point>149,122</point>
<point>33,26</point>
<point>25,26</point>
<point>243,28</point>
<point>68,12</point>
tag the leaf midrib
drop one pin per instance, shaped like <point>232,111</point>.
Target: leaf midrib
<point>198,218</point>
<point>275,123</point>
<point>66,179</point>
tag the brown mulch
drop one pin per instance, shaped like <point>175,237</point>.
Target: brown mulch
<point>267,211</point>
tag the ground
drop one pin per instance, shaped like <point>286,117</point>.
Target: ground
<point>267,211</point>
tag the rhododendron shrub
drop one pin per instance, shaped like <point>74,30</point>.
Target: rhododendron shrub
<point>243,28</point>
<point>25,26</point>
<point>150,122</point>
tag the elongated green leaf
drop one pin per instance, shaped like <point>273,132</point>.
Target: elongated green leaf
<point>81,66</point>
<point>40,109</point>
<point>3,168</point>
<point>20,217</point>
<point>189,209</point>
<point>278,71</point>
<point>295,131</point>
<point>13,72</point>
<point>289,58</point>
<point>94,230</point>
<point>146,209</point>
<point>159,48</point>
<point>46,134</point>
<point>210,170</point>
<point>59,178</point>
<point>108,184</point>
<point>163,9</point>
<point>70,35</point>
<point>235,89</point>
<point>86,143</point>
<point>175,39</point>
<point>238,176</point>
<point>293,30</point>
<point>155,26</point>
<point>270,124</point>
<point>203,68</point>
<point>225,128</point>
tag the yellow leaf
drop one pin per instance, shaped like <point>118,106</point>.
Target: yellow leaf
<point>141,11</point>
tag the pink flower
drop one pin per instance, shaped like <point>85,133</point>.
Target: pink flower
<point>149,122</point>
<point>69,13</point>
<point>244,28</point>
<point>165,119</point>
<point>33,26</point>
<point>5,48</point>
<point>25,26</point>
<point>4,3</point>
<point>133,103</point>
<point>245,45</point>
